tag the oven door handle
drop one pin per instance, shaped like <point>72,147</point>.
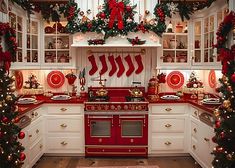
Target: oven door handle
<point>131,117</point>
<point>94,117</point>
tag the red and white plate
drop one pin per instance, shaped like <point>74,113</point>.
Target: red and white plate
<point>19,79</point>
<point>212,79</point>
<point>55,79</point>
<point>175,79</point>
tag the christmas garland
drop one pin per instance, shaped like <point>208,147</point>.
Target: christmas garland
<point>224,152</point>
<point>136,41</point>
<point>10,45</point>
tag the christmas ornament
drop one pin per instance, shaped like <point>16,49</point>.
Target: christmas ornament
<point>5,119</point>
<point>226,103</point>
<point>102,15</point>
<point>21,135</point>
<point>217,124</point>
<point>9,157</point>
<point>216,112</point>
<point>233,78</point>
<point>128,8</point>
<point>22,156</point>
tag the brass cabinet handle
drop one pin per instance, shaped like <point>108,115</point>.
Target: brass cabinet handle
<point>195,113</point>
<point>194,147</point>
<point>168,109</point>
<point>30,136</point>
<point>168,125</point>
<point>63,125</point>
<point>63,109</point>
<point>195,130</point>
<point>207,139</point>
<point>41,146</point>
<point>37,131</point>
<point>36,114</point>
<point>63,143</point>
<point>167,143</point>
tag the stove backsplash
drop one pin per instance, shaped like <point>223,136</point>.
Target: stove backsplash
<point>117,82</point>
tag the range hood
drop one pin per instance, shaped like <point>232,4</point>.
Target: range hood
<point>81,40</point>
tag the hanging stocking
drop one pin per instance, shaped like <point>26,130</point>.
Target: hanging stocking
<point>104,64</point>
<point>130,64</point>
<point>120,65</point>
<point>94,67</point>
<point>113,64</point>
<point>140,68</point>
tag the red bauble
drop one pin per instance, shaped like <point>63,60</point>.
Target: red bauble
<point>217,124</point>
<point>102,15</point>
<point>233,78</point>
<point>222,134</point>
<point>5,119</point>
<point>128,8</point>
<point>21,135</point>
<point>22,156</point>
<point>219,149</point>
<point>16,120</point>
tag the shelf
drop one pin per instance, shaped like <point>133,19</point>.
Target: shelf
<point>168,49</point>
<point>175,34</point>
<point>62,34</point>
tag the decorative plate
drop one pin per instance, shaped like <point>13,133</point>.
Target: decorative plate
<point>175,79</point>
<point>212,79</point>
<point>55,79</point>
<point>19,79</point>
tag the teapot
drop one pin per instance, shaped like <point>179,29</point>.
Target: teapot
<point>136,92</point>
<point>102,92</point>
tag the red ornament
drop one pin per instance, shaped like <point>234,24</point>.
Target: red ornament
<point>102,15</point>
<point>16,120</point>
<point>217,124</point>
<point>219,149</point>
<point>21,135</point>
<point>128,8</point>
<point>222,134</point>
<point>233,78</point>
<point>214,139</point>
<point>22,156</point>
<point>5,119</point>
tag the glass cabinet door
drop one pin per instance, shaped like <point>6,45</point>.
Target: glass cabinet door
<point>32,42</point>
<point>16,22</point>
<point>197,42</point>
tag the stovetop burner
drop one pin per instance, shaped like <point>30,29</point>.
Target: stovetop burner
<point>135,99</point>
<point>98,99</point>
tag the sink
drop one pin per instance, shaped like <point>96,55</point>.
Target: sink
<point>26,101</point>
<point>61,97</point>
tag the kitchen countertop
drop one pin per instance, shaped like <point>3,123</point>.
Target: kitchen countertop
<point>76,100</point>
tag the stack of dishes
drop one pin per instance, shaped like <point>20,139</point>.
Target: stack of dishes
<point>170,97</point>
<point>26,101</point>
<point>61,97</point>
<point>214,101</point>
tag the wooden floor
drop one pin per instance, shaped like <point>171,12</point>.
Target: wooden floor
<point>76,162</point>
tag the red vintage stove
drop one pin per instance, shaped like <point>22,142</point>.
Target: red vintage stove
<point>116,124</point>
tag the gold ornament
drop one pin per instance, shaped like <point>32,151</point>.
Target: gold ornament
<point>13,78</point>
<point>229,157</point>
<point>224,78</point>
<point>226,103</point>
<point>13,88</point>
<point>216,112</point>
<point>8,98</point>
<point>0,104</point>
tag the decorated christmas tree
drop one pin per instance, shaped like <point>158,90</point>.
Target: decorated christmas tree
<point>194,82</point>
<point>224,137</point>
<point>11,150</point>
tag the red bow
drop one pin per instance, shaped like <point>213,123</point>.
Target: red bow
<point>225,57</point>
<point>117,9</point>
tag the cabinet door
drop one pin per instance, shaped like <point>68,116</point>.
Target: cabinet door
<point>132,130</point>
<point>99,130</point>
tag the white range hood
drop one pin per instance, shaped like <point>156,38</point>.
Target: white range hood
<point>81,40</point>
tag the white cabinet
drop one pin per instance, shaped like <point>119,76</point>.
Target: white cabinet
<point>167,129</point>
<point>64,125</point>
<point>201,144</point>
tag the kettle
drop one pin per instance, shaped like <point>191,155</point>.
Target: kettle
<point>136,92</point>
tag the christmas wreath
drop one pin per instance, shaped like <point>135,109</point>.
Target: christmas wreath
<point>9,36</point>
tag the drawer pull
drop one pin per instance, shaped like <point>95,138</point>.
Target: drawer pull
<point>168,109</point>
<point>195,113</point>
<point>207,139</point>
<point>37,131</point>
<point>132,140</point>
<point>194,147</point>
<point>167,143</point>
<point>64,143</point>
<point>168,125</point>
<point>63,109</point>
<point>195,130</point>
<point>41,146</point>
<point>36,114</point>
<point>63,125</point>
<point>30,136</point>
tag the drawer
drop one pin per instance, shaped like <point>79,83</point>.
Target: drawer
<point>35,132</point>
<point>194,146</point>
<point>169,109</point>
<point>65,143</point>
<point>168,125</point>
<point>36,152</point>
<point>195,112</point>
<point>167,143</point>
<point>194,130</point>
<point>68,125</point>
<point>65,109</point>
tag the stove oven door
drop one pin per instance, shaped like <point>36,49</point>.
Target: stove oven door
<point>132,130</point>
<point>99,130</point>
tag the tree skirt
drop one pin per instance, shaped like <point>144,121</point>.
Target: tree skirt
<point>121,167</point>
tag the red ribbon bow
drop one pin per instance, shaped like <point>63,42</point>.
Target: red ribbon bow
<point>117,9</point>
<point>225,57</point>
